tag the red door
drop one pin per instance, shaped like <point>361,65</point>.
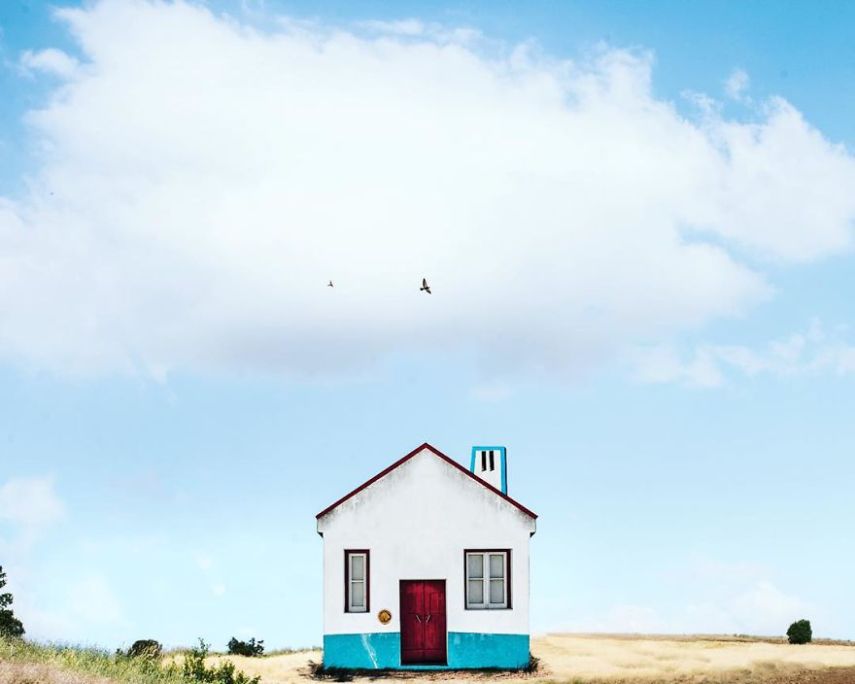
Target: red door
<point>423,635</point>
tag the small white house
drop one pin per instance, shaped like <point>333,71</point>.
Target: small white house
<point>426,566</point>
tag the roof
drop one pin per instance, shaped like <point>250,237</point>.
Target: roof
<point>438,454</point>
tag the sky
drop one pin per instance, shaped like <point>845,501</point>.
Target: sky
<point>637,223</point>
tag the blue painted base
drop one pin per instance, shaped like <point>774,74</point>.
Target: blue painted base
<point>466,651</point>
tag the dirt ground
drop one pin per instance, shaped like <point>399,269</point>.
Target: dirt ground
<point>41,673</point>
<point>566,658</point>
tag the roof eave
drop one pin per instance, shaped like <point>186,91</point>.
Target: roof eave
<point>404,459</point>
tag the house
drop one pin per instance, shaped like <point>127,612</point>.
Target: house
<point>426,566</point>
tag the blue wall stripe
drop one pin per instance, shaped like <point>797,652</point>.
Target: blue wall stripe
<point>466,650</point>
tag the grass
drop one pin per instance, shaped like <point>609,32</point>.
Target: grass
<point>23,662</point>
<point>693,658</point>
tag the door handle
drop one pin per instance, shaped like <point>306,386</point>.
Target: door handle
<point>427,619</point>
<point>418,618</point>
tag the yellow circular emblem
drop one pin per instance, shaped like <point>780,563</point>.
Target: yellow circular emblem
<point>384,616</point>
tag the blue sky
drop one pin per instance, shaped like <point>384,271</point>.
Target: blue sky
<point>637,220</point>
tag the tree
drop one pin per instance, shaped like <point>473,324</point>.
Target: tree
<point>10,626</point>
<point>249,648</point>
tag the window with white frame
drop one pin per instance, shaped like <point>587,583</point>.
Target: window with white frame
<point>356,573</point>
<point>488,579</point>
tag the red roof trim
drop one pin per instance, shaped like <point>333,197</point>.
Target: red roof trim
<point>406,458</point>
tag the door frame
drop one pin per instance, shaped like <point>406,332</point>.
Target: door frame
<point>445,615</point>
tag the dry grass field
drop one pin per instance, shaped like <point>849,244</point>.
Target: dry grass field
<point>609,659</point>
<point>564,659</point>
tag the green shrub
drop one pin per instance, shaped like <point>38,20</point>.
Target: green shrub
<point>249,648</point>
<point>145,648</point>
<point>194,669</point>
<point>800,632</point>
<point>10,626</point>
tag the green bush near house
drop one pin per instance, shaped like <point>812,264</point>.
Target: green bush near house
<point>193,669</point>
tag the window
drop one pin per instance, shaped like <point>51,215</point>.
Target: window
<point>488,576</point>
<point>356,577</point>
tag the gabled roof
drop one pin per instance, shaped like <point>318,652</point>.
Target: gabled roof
<point>439,454</point>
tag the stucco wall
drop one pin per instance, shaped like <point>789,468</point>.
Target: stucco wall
<point>417,521</point>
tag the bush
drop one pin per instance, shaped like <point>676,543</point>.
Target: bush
<point>800,632</point>
<point>195,670</point>
<point>249,648</point>
<point>145,648</point>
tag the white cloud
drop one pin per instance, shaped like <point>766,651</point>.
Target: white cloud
<point>28,508</point>
<point>766,609</point>
<point>50,61</point>
<point>737,85</point>
<point>247,632</point>
<point>805,353</point>
<point>631,619</point>
<point>662,364</point>
<point>415,28</point>
<point>194,201</point>
<point>738,598</point>
<point>404,27</point>
<point>67,609</point>
<point>86,603</point>
<point>93,600</point>
<point>30,503</point>
<point>760,608</point>
<point>708,597</point>
<point>206,564</point>
<point>491,392</point>
<point>48,624</point>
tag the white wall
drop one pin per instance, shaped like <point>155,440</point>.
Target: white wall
<point>417,520</point>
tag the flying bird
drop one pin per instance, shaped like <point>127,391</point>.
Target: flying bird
<point>330,284</point>
<point>425,287</point>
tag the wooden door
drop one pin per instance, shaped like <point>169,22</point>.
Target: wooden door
<point>423,630</point>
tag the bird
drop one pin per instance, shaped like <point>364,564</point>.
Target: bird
<point>425,287</point>
<point>330,284</point>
